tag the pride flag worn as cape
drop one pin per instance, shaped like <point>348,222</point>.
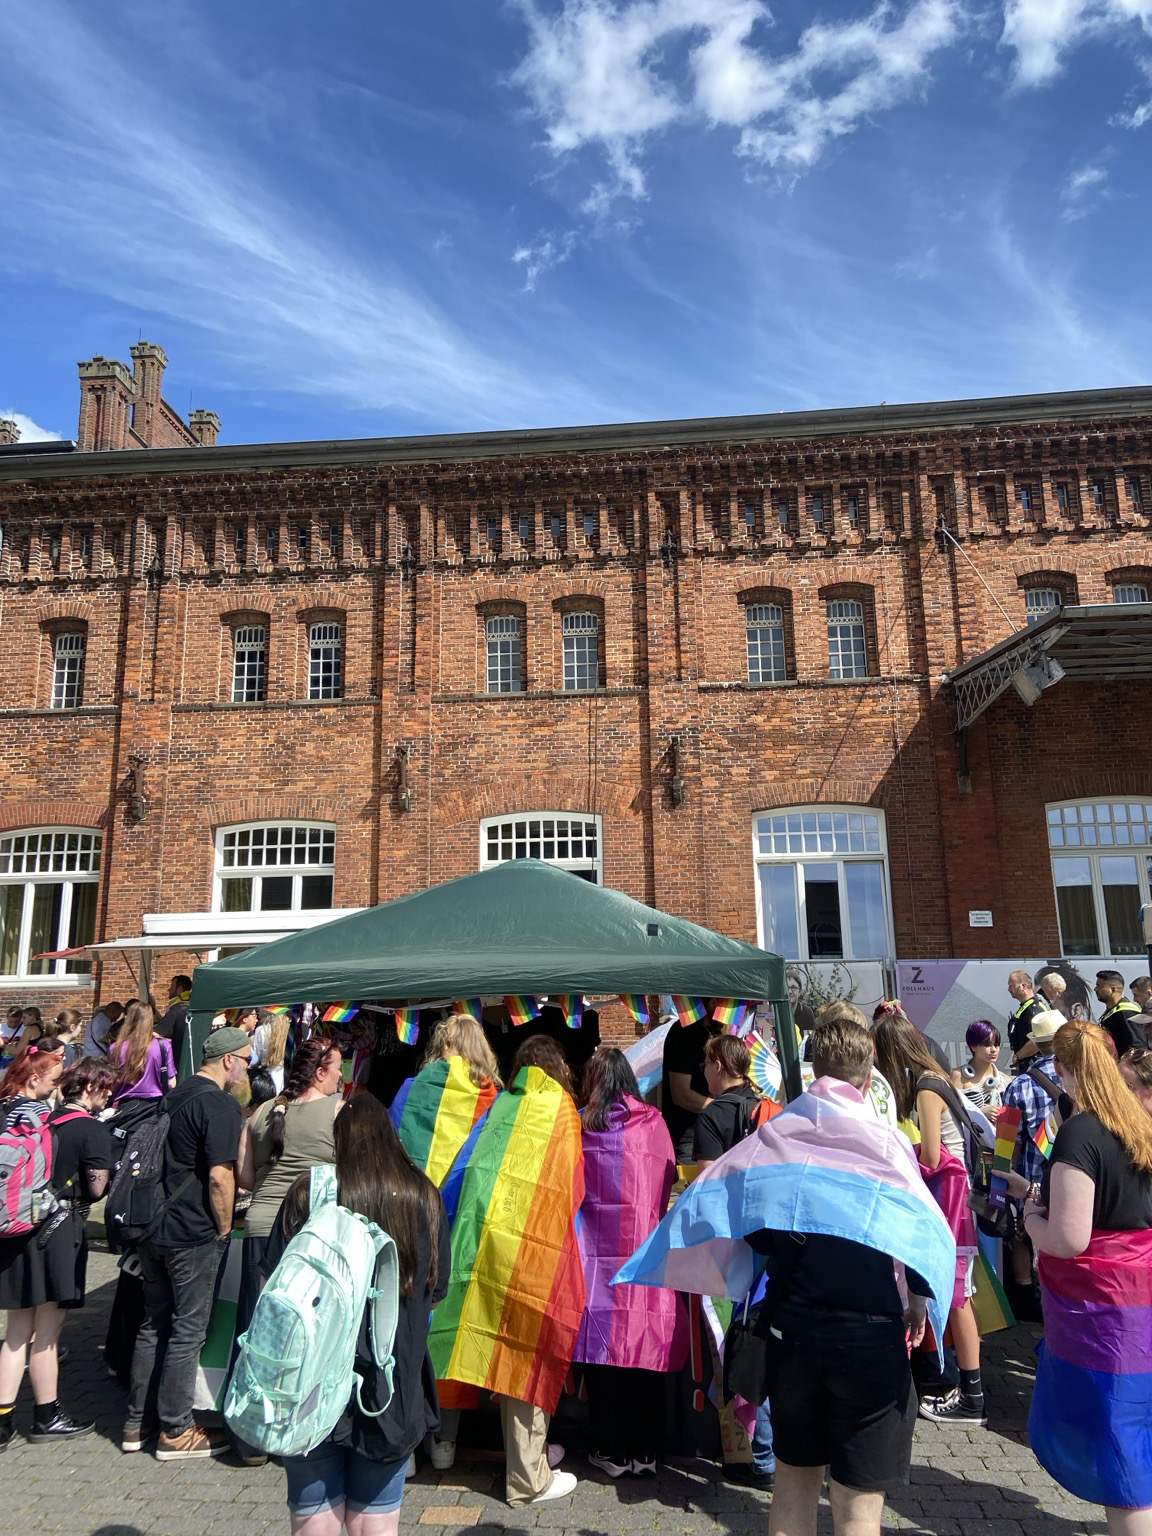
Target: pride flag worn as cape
<point>629,1169</point>
<point>436,1112</point>
<point>516,1296</point>
<point>1090,1422</point>
<point>824,1164</point>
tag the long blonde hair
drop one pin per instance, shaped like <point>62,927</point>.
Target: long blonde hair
<point>278,1025</point>
<point>460,1035</point>
<point>1084,1050</point>
<point>133,1040</point>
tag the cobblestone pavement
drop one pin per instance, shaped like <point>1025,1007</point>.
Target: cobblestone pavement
<point>964,1482</point>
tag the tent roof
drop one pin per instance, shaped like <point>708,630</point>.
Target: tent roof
<point>520,927</point>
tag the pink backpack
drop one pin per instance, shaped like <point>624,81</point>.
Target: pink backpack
<point>26,1193</point>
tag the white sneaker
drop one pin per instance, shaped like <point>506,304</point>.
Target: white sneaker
<point>441,1453</point>
<point>562,1484</point>
<point>410,1469</point>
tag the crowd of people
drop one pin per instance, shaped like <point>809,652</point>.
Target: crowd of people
<point>521,1184</point>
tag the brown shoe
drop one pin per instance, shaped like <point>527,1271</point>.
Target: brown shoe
<point>195,1444</point>
<point>135,1438</point>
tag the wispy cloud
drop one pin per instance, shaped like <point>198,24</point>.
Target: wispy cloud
<point>30,431</point>
<point>172,221</point>
<point>546,251</point>
<point>1140,112</point>
<point>1084,190</point>
<point>615,74</point>
<point>1043,32</point>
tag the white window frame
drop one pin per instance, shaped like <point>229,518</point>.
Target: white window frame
<point>1129,592</point>
<point>239,855</point>
<point>847,638</point>
<point>580,640</point>
<point>826,826</point>
<point>1039,603</point>
<point>765,620</point>
<point>326,659</point>
<point>249,664</point>
<point>503,653</point>
<point>1123,834</point>
<point>64,856</point>
<point>529,829</point>
<point>69,650</point>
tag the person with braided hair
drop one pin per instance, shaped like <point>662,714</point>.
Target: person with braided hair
<point>285,1138</point>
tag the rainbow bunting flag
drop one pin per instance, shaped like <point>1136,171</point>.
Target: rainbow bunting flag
<point>1045,1136</point>
<point>1007,1130</point>
<point>339,1013</point>
<point>732,1013</point>
<point>277,1007</point>
<point>637,1005</point>
<point>407,1025</point>
<point>471,1007</point>
<point>516,1288</point>
<point>689,1009</point>
<point>522,1010</point>
<point>436,1112</point>
<point>573,1005</point>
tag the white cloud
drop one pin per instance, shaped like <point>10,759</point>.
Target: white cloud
<point>1043,32</point>
<point>547,250</point>
<point>1141,113</point>
<point>1083,191</point>
<point>30,431</point>
<point>611,74</point>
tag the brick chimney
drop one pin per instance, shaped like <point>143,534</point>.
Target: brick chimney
<point>204,426</point>
<point>107,392</point>
<point>9,431</point>
<point>148,364</point>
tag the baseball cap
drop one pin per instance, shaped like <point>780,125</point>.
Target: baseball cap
<point>221,1041</point>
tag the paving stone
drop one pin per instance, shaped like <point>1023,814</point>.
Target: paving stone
<point>450,1514</point>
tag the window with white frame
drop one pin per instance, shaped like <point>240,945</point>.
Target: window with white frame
<point>49,880</point>
<point>68,670</point>
<point>847,648</point>
<point>249,663</point>
<point>1129,592</point>
<point>1039,602</point>
<point>581,640</point>
<point>279,866</point>
<point>822,883</point>
<point>503,654</point>
<point>1100,856</point>
<point>570,842</point>
<point>764,629</point>
<point>325,670</point>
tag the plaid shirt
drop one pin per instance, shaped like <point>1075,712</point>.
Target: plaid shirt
<point>1036,1104</point>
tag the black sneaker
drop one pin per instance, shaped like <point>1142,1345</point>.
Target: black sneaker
<point>60,1428</point>
<point>7,1430</point>
<point>608,1464</point>
<point>954,1408</point>
<point>745,1473</point>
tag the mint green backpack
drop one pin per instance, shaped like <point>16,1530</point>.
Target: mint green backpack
<point>295,1372</point>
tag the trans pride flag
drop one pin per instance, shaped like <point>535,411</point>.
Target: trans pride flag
<point>646,1057</point>
<point>824,1164</point>
<point>1090,1422</point>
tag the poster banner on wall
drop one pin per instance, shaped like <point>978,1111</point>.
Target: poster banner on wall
<point>812,983</point>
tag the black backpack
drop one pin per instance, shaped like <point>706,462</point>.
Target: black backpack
<point>136,1203</point>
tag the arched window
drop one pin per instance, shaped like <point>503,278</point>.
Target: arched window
<point>581,650</point>
<point>49,878</point>
<point>847,643</point>
<point>1100,851</point>
<point>249,663</point>
<point>325,659</point>
<point>822,883</point>
<point>503,653</point>
<point>568,840</point>
<point>764,632</point>
<point>68,647</point>
<point>1039,602</point>
<point>279,866</point>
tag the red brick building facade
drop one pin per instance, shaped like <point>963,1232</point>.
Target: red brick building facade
<point>654,634</point>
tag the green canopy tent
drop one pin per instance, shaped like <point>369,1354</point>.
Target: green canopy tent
<point>523,927</point>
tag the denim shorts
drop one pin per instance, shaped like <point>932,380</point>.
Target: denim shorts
<point>335,1475</point>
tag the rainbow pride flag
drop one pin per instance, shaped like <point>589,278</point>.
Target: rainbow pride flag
<point>637,1005</point>
<point>407,1025</point>
<point>277,1007</point>
<point>573,1005</point>
<point>437,1111</point>
<point>522,1010</point>
<point>339,1013</point>
<point>1092,1402</point>
<point>472,1007</point>
<point>1045,1137</point>
<point>732,1013</point>
<point>1007,1129</point>
<point>689,1009</point>
<point>515,1298</point>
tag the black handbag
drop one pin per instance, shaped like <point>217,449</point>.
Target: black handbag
<point>746,1342</point>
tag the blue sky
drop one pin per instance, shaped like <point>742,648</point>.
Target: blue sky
<point>348,218</point>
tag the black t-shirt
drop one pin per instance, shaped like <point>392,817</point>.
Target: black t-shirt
<point>204,1130</point>
<point>834,1273</point>
<point>1020,1023</point>
<point>726,1121</point>
<point>684,1052</point>
<point>1120,1022</point>
<point>1123,1198</point>
<point>82,1143</point>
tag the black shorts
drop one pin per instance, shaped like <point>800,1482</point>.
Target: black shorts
<point>841,1395</point>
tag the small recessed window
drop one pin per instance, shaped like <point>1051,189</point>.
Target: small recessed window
<point>1134,493</point>
<point>240,541</point>
<point>1024,496</point>
<point>325,679</point>
<point>302,540</point>
<point>847,650</point>
<point>1039,602</point>
<point>249,663</point>
<point>1062,495</point>
<point>581,637</point>
<point>556,528</point>
<point>503,656</point>
<point>818,511</point>
<point>764,627</point>
<point>272,542</point>
<point>84,546</point>
<point>524,527</point>
<point>1097,493</point>
<point>589,525</point>
<point>492,532</point>
<point>853,509</point>
<point>1130,592</point>
<point>68,671</point>
<point>335,540</point>
<point>750,515</point>
<point>784,511</point>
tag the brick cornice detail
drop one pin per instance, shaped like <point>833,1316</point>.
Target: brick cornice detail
<point>804,792</point>
<point>15,814</point>
<point>227,813</point>
<point>522,796</point>
<point>328,600</point>
<point>63,613</point>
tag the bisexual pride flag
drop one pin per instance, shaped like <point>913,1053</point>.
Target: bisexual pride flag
<point>823,1164</point>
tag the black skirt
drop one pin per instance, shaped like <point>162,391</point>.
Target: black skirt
<point>46,1266</point>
